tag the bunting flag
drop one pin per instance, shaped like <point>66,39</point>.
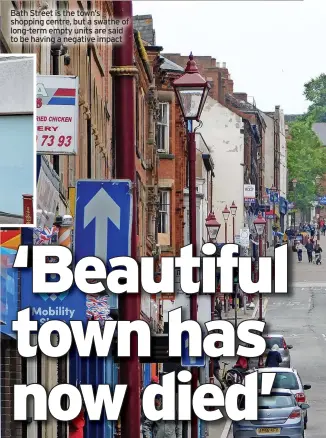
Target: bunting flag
<point>45,236</point>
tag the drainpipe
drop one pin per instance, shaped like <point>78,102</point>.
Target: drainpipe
<point>123,72</point>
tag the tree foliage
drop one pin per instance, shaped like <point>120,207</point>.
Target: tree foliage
<point>306,160</point>
<point>306,156</point>
<point>315,92</point>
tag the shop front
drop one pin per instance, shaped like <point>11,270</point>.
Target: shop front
<point>11,362</point>
<point>283,206</point>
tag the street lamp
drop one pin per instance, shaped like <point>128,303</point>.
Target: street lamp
<point>233,209</point>
<point>226,214</point>
<point>266,203</point>
<point>260,224</point>
<point>192,90</point>
<point>273,191</point>
<point>213,227</point>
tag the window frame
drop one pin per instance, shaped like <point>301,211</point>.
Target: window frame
<point>162,212</point>
<point>166,149</point>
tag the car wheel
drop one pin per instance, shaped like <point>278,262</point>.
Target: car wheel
<point>305,421</point>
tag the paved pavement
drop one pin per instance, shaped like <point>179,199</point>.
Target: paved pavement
<point>221,427</point>
<point>305,272</point>
<point>300,316</point>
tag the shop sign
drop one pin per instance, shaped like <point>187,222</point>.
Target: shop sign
<point>9,291</point>
<point>57,114</point>
<point>249,193</point>
<point>269,214</point>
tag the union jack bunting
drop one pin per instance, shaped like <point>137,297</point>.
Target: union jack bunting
<point>97,308</point>
<point>44,236</point>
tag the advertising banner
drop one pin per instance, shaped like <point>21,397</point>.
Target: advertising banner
<point>249,193</point>
<point>273,197</point>
<point>9,291</point>
<point>28,209</point>
<point>57,114</point>
<point>48,185</point>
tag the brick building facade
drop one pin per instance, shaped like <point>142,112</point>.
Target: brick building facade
<point>160,172</point>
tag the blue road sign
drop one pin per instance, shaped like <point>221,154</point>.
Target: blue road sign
<point>103,228</point>
<point>186,360</point>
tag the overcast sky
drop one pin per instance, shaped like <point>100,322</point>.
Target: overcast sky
<point>271,48</point>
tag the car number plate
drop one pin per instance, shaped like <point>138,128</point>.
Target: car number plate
<point>268,430</point>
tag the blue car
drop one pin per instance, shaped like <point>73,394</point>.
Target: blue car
<point>279,415</point>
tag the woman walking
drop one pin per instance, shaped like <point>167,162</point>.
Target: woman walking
<point>299,249</point>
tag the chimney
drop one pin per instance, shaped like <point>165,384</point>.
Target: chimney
<point>241,96</point>
<point>218,64</point>
<point>224,64</point>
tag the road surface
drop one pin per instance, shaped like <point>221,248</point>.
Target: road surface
<point>301,317</point>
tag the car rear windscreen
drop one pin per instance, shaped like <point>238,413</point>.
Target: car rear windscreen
<point>286,380</point>
<point>276,402</point>
<point>270,341</point>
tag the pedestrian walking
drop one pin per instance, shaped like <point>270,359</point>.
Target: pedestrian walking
<point>217,368</point>
<point>274,357</point>
<point>161,428</point>
<point>299,248</point>
<point>318,251</point>
<point>310,248</point>
<point>218,309</point>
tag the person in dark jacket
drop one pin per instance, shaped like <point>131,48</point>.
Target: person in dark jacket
<point>309,248</point>
<point>274,357</point>
<point>218,309</point>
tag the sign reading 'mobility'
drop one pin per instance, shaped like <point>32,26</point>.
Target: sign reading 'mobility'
<point>57,114</point>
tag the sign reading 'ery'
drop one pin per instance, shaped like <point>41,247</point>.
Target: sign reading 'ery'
<point>57,114</point>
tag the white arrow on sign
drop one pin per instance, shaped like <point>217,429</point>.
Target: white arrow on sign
<point>101,208</point>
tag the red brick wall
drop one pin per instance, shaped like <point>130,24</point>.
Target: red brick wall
<point>175,169</point>
<point>207,68</point>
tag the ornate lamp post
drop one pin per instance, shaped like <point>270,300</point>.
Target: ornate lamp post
<point>273,191</point>
<point>192,90</point>
<point>260,224</point>
<point>266,203</point>
<point>233,209</point>
<point>226,214</point>
<point>213,227</point>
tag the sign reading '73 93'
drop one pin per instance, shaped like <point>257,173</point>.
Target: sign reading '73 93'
<point>57,114</point>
